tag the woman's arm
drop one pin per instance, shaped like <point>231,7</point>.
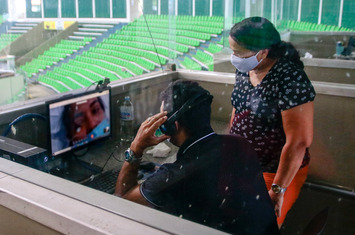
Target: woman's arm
<point>232,118</point>
<point>298,127</point>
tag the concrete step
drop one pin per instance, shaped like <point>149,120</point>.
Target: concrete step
<point>20,28</point>
<point>24,24</point>
<point>96,25</point>
<point>78,38</point>
<point>86,34</point>
<point>92,30</point>
<point>16,31</point>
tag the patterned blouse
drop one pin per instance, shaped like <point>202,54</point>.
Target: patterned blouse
<point>258,109</point>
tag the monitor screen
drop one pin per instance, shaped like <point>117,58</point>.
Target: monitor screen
<point>79,120</point>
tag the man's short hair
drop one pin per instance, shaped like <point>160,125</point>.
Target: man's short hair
<point>177,94</point>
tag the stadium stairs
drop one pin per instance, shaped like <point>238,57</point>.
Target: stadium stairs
<point>10,31</point>
<point>97,32</point>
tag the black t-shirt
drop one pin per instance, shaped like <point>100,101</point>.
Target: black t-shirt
<point>258,109</point>
<point>216,181</point>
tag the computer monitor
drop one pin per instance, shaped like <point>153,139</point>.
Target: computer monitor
<point>79,120</point>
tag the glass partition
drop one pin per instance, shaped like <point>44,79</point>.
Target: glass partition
<point>56,48</point>
<point>189,34</point>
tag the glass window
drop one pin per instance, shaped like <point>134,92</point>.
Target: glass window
<point>267,8</point>
<point>68,9</point>
<point>33,9</point>
<point>348,14</point>
<point>3,7</point>
<point>164,6</point>
<point>330,12</point>
<point>308,13</point>
<point>217,8</point>
<point>50,8</point>
<point>290,10</point>
<point>202,8</point>
<point>85,8</point>
<point>150,7</point>
<point>185,7</point>
<point>119,8</point>
<point>239,8</point>
<point>102,9</point>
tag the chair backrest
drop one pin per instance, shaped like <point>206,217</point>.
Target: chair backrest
<point>317,223</point>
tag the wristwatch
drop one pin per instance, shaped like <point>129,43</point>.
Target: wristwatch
<point>130,157</point>
<point>277,189</point>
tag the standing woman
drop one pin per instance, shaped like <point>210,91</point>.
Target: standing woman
<point>272,107</point>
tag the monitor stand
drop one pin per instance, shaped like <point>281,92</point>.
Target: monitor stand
<point>74,169</point>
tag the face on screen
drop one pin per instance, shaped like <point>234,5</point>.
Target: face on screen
<point>85,117</point>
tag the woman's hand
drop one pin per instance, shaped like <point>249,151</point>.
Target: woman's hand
<point>146,134</point>
<point>277,200</point>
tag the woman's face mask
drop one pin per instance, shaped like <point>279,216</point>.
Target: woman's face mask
<point>245,64</point>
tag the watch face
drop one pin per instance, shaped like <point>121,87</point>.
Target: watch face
<point>127,155</point>
<point>130,157</point>
<point>276,188</point>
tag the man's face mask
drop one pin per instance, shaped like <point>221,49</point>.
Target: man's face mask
<point>245,64</point>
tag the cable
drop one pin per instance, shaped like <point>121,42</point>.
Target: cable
<point>86,165</point>
<point>93,84</point>
<point>113,156</point>
<point>23,117</point>
<point>155,48</point>
<point>107,161</point>
<point>101,84</point>
<point>119,160</point>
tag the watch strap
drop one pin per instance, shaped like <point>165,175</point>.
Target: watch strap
<point>131,158</point>
<point>277,188</point>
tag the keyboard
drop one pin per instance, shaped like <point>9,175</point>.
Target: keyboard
<point>105,182</point>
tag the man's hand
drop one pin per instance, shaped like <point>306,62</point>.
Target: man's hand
<point>146,134</point>
<point>278,200</point>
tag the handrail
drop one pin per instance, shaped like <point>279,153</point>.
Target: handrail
<point>337,189</point>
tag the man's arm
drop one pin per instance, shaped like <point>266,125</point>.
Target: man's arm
<point>127,186</point>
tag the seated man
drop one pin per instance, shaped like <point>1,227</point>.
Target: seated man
<point>216,179</point>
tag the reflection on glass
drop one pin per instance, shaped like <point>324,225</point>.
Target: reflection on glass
<point>68,46</point>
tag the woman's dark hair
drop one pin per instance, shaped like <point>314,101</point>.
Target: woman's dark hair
<point>258,33</point>
<point>177,94</point>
